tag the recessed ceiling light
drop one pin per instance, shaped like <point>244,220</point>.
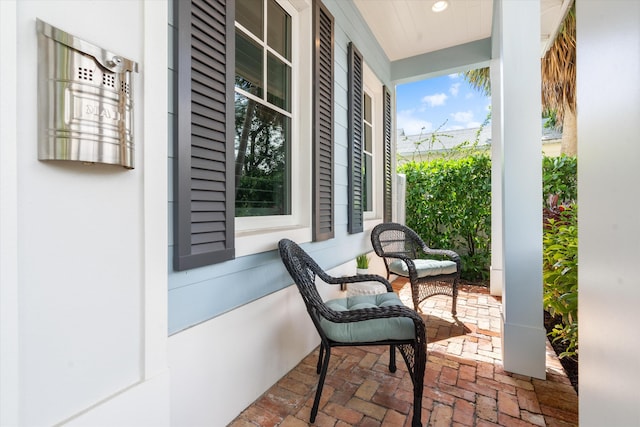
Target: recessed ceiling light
<point>440,5</point>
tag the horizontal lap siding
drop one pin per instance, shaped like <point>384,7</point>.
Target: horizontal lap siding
<point>203,293</point>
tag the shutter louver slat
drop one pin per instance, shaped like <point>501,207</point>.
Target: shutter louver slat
<point>204,229</point>
<point>356,141</point>
<point>387,184</point>
<point>323,200</point>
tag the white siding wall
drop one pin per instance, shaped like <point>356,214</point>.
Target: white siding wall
<point>221,366</point>
<point>90,285</point>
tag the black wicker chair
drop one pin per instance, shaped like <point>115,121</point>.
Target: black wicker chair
<point>406,255</point>
<point>367,323</point>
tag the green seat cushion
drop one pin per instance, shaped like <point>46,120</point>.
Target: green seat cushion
<point>425,267</point>
<point>393,328</point>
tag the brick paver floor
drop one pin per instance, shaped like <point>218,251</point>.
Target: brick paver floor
<point>465,383</point>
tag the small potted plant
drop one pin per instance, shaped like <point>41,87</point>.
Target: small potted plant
<point>362,264</point>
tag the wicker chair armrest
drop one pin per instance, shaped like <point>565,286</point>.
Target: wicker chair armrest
<point>452,255</point>
<point>358,278</point>
<point>398,255</point>
<point>446,252</point>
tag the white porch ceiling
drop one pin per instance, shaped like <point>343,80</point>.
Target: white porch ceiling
<point>406,28</point>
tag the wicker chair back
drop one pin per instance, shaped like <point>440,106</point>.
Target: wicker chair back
<point>304,271</point>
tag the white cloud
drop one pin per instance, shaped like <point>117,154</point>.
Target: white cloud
<point>454,89</point>
<point>412,125</point>
<point>454,76</point>
<point>436,99</point>
<point>462,116</point>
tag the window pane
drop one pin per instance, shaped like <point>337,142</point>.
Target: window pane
<point>278,83</point>
<point>368,138</point>
<point>279,29</point>
<point>248,64</point>
<point>367,180</point>
<point>250,15</point>
<point>262,147</point>
<point>367,108</point>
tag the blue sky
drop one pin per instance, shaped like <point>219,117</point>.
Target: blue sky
<point>424,106</point>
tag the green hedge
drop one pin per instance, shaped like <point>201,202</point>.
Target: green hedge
<point>448,203</point>
<point>560,177</point>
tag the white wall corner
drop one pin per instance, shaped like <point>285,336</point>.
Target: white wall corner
<point>9,290</point>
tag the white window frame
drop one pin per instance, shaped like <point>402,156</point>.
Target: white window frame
<point>261,233</point>
<point>373,87</point>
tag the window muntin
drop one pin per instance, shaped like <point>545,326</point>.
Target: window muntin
<point>263,118</point>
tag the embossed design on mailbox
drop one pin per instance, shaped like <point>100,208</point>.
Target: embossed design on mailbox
<point>84,101</point>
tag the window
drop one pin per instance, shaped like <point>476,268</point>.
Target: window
<point>288,123</point>
<point>372,147</point>
<point>273,124</point>
<point>263,113</point>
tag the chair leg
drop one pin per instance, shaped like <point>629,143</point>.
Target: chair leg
<point>323,374</point>
<point>320,356</point>
<point>454,311</point>
<point>392,358</point>
<point>415,293</point>
<point>418,383</point>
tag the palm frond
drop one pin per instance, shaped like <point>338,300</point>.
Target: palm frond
<point>479,79</point>
<point>558,69</point>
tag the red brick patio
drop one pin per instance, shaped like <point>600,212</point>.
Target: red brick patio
<point>465,383</point>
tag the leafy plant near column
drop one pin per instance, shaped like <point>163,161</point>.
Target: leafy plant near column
<point>560,249</point>
<point>560,272</point>
<point>560,178</point>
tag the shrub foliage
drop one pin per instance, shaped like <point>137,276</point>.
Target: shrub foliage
<point>448,203</point>
<point>560,249</point>
<point>560,275</point>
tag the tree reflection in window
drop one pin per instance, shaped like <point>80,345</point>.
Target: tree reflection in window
<point>262,150</point>
<point>263,118</point>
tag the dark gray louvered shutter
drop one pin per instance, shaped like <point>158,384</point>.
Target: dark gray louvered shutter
<point>323,212</point>
<point>204,190</point>
<point>356,140</point>
<point>386,142</point>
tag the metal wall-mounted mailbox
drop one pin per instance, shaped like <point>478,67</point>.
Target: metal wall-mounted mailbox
<point>85,108</point>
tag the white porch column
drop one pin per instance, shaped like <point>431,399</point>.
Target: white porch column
<point>608,89</point>
<point>519,110</point>
<point>496,279</point>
